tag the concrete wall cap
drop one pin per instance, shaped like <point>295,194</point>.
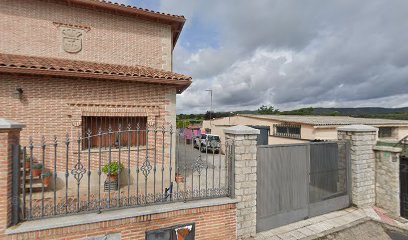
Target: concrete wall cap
<point>357,128</point>
<point>387,149</point>
<point>241,130</point>
<point>8,124</point>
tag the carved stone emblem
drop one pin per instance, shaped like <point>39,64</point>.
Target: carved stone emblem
<point>72,40</point>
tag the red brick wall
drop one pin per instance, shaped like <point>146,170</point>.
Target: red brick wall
<point>212,223</point>
<point>29,28</point>
<point>54,106</point>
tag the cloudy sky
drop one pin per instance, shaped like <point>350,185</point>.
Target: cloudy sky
<point>290,54</point>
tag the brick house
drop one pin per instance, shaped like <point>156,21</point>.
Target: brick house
<point>69,68</point>
<point>65,62</point>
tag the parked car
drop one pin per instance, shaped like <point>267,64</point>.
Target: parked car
<point>197,141</point>
<point>209,142</point>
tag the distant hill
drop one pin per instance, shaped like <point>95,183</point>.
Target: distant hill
<point>365,112</point>
<point>359,111</point>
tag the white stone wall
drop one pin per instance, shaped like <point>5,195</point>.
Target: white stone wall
<point>387,185</point>
<point>363,139</point>
<point>245,179</point>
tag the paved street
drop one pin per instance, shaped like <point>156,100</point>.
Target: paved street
<point>321,226</point>
<point>187,156</point>
<point>208,170</point>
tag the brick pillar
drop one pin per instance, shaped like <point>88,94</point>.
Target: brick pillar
<point>387,186</point>
<point>244,178</point>
<point>9,135</point>
<point>363,138</point>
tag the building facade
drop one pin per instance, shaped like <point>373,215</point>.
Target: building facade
<point>65,60</point>
<point>287,129</point>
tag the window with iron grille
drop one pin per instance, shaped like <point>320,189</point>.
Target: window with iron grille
<point>95,124</point>
<point>186,232</point>
<point>385,132</point>
<point>286,130</point>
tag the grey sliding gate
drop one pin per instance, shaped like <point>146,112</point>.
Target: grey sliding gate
<point>298,181</point>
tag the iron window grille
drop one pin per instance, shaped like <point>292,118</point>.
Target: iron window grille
<point>287,130</point>
<point>186,232</point>
<point>113,124</point>
<point>385,132</point>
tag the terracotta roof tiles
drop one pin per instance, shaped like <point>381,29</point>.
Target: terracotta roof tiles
<point>141,9</point>
<point>72,68</point>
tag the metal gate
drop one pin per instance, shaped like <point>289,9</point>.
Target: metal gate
<point>298,181</point>
<point>263,135</point>
<point>404,187</point>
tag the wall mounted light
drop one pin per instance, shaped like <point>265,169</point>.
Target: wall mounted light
<point>18,93</point>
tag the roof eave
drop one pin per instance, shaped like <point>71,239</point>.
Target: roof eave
<point>181,85</point>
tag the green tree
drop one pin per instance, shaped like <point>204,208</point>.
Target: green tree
<point>266,110</point>
<point>301,111</point>
<point>182,123</point>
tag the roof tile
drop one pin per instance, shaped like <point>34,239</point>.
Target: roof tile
<point>56,66</point>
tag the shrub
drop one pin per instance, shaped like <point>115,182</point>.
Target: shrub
<point>37,166</point>
<point>114,168</point>
<point>47,174</point>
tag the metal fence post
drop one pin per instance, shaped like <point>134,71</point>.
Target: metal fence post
<point>232,170</point>
<point>15,184</point>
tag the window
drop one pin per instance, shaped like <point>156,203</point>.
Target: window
<point>283,130</point>
<point>385,132</point>
<point>95,124</point>
<point>211,138</point>
<point>185,232</point>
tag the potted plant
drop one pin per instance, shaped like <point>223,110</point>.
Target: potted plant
<point>27,163</point>
<point>46,178</point>
<point>114,171</point>
<point>179,178</point>
<point>36,169</point>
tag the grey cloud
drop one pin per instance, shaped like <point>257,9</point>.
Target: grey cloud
<point>296,53</point>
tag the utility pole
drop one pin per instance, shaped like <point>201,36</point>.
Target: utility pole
<point>211,94</point>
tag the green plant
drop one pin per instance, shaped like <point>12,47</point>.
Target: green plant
<point>27,158</point>
<point>37,166</point>
<point>114,168</point>
<point>47,174</point>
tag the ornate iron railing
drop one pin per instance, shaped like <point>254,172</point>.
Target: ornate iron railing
<point>63,177</point>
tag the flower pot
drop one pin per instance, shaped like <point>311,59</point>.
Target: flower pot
<point>27,165</point>
<point>179,178</point>
<point>112,178</point>
<point>46,181</point>
<point>36,172</point>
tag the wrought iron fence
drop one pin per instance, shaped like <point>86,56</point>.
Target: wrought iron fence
<point>75,175</point>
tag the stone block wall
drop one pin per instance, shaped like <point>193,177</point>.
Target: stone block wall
<point>387,186</point>
<point>362,139</point>
<point>245,178</point>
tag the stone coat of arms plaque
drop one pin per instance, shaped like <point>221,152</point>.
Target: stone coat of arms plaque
<point>72,40</point>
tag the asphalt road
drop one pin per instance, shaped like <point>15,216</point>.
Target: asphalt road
<point>187,157</point>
